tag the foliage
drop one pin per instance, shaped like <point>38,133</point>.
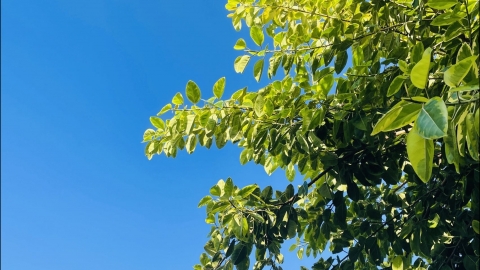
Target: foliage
<point>378,110</point>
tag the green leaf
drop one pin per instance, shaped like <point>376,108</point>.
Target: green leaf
<point>447,18</point>
<point>464,88</point>
<point>215,190</point>
<point>256,33</point>
<point>397,263</point>
<point>395,85</point>
<point>240,44</point>
<point>239,253</point>
<point>290,172</point>
<point>434,222</point>
<point>417,52</point>
<point>455,74</point>
<point>453,30</point>
<point>292,229</point>
<point>420,71</point>
<point>193,92</point>
<point>258,69</point>
<point>472,137</point>
<point>190,123</point>
<point>476,226</point>
<point>432,121</point>
<point>177,99</point>
<point>441,4</point>
<point>219,87</point>
<point>420,154</point>
<point>157,122</point>
<point>191,143</point>
<point>204,201</point>
<point>477,122</point>
<point>258,106</point>
<point>358,56</point>
<point>228,188</point>
<point>403,113</point>
<point>341,61</point>
<point>325,84</point>
<point>165,109</point>
<point>244,192</point>
<point>240,63</point>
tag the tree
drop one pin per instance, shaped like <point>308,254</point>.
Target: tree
<point>378,110</point>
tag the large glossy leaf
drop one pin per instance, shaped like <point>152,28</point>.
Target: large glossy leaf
<point>219,87</point>
<point>432,121</point>
<point>240,63</point>
<point>420,71</point>
<point>402,114</point>
<point>420,154</point>
<point>455,74</point>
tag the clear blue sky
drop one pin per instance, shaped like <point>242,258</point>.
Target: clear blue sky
<point>80,80</point>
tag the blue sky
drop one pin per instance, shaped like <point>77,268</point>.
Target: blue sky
<point>80,80</point>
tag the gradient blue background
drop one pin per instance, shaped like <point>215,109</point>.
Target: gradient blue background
<point>80,80</point>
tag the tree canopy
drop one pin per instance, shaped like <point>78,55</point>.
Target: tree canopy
<point>378,110</point>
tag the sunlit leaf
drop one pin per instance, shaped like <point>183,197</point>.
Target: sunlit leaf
<point>420,154</point>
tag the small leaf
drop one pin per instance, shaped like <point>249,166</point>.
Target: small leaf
<point>258,69</point>
<point>244,192</point>
<point>395,85</point>
<point>397,263</point>
<point>228,188</point>
<point>432,121</point>
<point>341,61</point>
<point>240,44</point>
<point>256,34</point>
<point>204,201</point>
<point>191,143</point>
<point>240,63</point>
<point>420,154</point>
<point>455,74</point>
<point>259,103</point>
<point>219,87</point>
<point>215,190</point>
<point>157,122</point>
<point>193,92</point>
<point>326,84</point>
<point>420,71</point>
<point>441,4</point>
<point>177,99</point>
<point>165,109</point>
<point>290,172</point>
<point>434,222</point>
<point>476,226</point>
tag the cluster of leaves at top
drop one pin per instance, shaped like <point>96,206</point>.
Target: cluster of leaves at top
<point>378,110</point>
